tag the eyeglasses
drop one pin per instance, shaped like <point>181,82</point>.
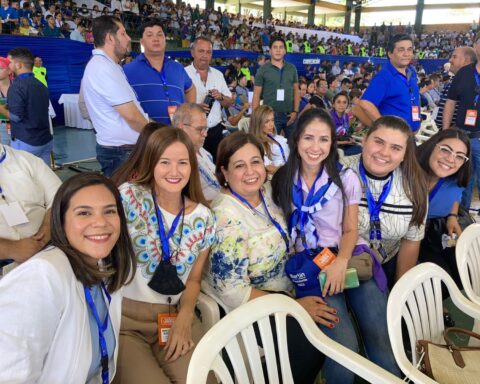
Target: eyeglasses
<point>200,130</point>
<point>458,157</point>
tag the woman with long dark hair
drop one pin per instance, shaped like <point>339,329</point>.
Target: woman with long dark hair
<point>445,160</point>
<point>320,198</point>
<point>60,316</point>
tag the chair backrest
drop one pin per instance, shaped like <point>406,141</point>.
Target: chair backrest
<point>467,253</point>
<point>235,331</point>
<point>417,299</point>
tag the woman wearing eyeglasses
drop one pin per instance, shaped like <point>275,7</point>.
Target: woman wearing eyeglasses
<point>444,159</point>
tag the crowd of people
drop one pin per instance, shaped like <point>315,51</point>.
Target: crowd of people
<point>110,266</point>
<point>227,31</point>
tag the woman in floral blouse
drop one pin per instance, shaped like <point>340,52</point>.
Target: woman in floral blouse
<point>249,257</point>
<point>172,230</point>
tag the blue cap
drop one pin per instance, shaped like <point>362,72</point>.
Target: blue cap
<point>304,274</point>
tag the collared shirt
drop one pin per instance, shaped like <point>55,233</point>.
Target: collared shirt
<point>271,78</point>
<point>215,80</point>
<point>149,83</point>
<point>25,179</point>
<point>104,86</point>
<point>392,93</point>
<point>28,105</point>
<point>206,167</point>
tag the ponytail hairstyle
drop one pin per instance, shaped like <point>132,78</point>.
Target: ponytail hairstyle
<point>283,179</point>
<point>414,182</point>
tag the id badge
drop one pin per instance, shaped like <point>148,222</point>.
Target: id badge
<point>280,95</point>
<point>471,117</point>
<point>165,322</point>
<point>324,258</point>
<point>171,111</point>
<point>415,113</point>
<point>13,214</point>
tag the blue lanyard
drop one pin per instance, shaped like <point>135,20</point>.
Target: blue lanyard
<point>300,216</point>
<point>435,189</point>
<point>375,206</point>
<point>2,158</point>
<point>272,220</point>
<point>24,75</point>
<point>161,228</point>
<point>102,327</point>
<point>164,84</point>
<point>280,146</point>
<point>477,88</point>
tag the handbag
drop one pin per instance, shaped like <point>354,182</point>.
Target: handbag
<point>363,264</point>
<point>449,364</point>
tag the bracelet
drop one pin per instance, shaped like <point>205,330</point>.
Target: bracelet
<point>452,215</point>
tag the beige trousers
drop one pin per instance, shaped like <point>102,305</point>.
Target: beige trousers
<point>140,358</point>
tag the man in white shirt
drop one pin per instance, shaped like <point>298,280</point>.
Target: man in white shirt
<point>209,81</point>
<point>27,187</point>
<point>191,118</point>
<point>78,34</point>
<point>112,105</point>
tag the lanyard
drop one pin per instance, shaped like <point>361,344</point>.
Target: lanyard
<point>270,217</point>
<point>477,88</point>
<point>435,189</point>
<point>375,206</point>
<point>161,229</point>
<point>164,84</point>
<point>102,327</point>
<point>24,75</point>
<point>2,158</point>
<point>280,146</point>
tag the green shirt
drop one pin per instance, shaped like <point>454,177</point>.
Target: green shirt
<point>40,74</point>
<point>271,79</point>
<point>289,46</point>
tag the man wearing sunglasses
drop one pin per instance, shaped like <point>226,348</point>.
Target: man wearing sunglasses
<point>464,93</point>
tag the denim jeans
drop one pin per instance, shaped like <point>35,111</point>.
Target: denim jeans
<point>41,151</point>
<point>4,136</point>
<point>475,164</point>
<point>369,307</point>
<point>281,119</point>
<point>110,158</point>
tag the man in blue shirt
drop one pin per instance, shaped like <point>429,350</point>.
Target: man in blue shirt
<point>161,84</point>
<point>9,16</point>
<point>394,90</point>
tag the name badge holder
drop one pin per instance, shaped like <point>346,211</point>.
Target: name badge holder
<point>374,211</point>
<point>102,328</point>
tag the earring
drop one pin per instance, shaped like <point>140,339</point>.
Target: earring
<point>225,184</point>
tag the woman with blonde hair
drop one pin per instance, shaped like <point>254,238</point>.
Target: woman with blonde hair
<point>262,125</point>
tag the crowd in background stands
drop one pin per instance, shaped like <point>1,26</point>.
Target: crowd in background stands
<point>227,31</point>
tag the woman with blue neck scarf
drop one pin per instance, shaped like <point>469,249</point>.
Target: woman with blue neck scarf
<point>445,160</point>
<point>320,199</point>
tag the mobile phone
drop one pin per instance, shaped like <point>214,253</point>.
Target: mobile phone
<point>351,279</point>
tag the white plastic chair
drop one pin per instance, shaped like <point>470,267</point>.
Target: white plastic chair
<point>417,298</point>
<point>236,330</point>
<point>209,311</point>
<point>467,254</point>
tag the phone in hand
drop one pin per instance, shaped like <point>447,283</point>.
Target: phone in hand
<point>351,279</point>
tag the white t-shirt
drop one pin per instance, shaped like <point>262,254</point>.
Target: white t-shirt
<point>277,158</point>
<point>395,214</point>
<point>104,86</point>
<point>215,80</point>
